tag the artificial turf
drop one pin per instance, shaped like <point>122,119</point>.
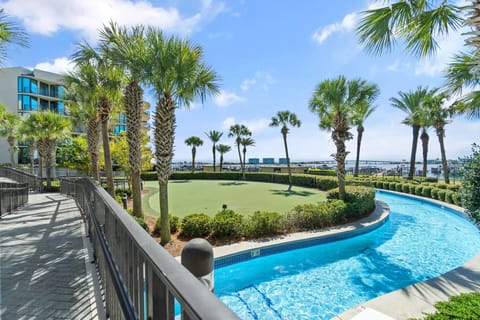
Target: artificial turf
<point>244,197</point>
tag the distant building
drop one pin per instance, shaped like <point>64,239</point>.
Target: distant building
<point>268,161</point>
<point>282,169</point>
<point>253,161</point>
<point>282,161</point>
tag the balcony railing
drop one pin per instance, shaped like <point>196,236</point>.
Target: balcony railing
<point>12,196</point>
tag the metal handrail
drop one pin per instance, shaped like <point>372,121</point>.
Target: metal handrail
<point>12,196</point>
<point>141,279</point>
<point>34,183</point>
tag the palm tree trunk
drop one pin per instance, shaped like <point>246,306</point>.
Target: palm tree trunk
<point>221,161</point>
<point>93,145</point>
<point>243,163</point>
<point>360,130</point>
<point>133,112</point>
<point>11,142</point>
<point>194,151</point>
<point>164,122</point>
<point>240,156</point>
<point>288,162</point>
<point>104,117</point>
<point>31,152</point>
<point>440,135</point>
<point>213,151</point>
<point>340,158</point>
<point>411,171</point>
<point>424,137</point>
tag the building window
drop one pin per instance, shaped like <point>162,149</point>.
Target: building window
<point>27,85</point>
<point>27,103</point>
<point>118,129</point>
<point>44,89</point>
<point>43,105</point>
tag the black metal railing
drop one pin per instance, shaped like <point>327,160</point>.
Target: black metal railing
<point>141,280</point>
<point>12,196</point>
<point>34,183</point>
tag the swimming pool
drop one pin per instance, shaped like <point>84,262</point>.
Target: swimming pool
<point>420,240</point>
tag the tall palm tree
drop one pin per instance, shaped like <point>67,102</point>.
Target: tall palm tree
<point>109,82</point>
<point>49,127</point>
<point>178,75</point>
<point>10,33</point>
<point>246,142</point>
<point>360,113</point>
<point>239,131</point>
<point>410,103</point>
<point>127,48</point>
<point>283,119</point>
<point>440,117</point>
<point>222,149</point>
<point>194,142</point>
<point>9,126</point>
<point>28,136</point>
<point>425,124</point>
<point>334,101</point>
<point>214,136</point>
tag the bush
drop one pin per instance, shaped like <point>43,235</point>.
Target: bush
<point>464,306</point>
<point>392,186</point>
<point>441,194</point>
<point>399,187</point>
<point>434,193</point>
<point>453,187</point>
<point>386,185</point>
<point>197,225</point>
<point>457,199</point>
<point>418,190</point>
<point>427,191</point>
<point>326,183</point>
<point>470,183</point>
<point>405,188</point>
<point>449,196</point>
<point>174,222</point>
<point>411,188</point>
<point>312,216</point>
<point>142,223</point>
<point>263,223</point>
<point>322,172</point>
<point>120,192</point>
<point>360,200</point>
<point>441,185</point>
<point>227,223</point>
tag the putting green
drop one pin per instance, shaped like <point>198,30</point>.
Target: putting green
<point>245,197</point>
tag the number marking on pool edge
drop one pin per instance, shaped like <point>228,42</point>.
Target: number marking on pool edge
<point>255,253</point>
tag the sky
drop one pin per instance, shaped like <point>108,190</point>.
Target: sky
<point>270,56</point>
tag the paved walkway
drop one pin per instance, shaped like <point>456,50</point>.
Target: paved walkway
<point>45,271</point>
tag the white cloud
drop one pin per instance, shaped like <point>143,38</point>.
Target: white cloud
<point>59,65</point>
<point>261,79</point>
<point>225,98</point>
<point>347,24</point>
<point>88,16</point>
<point>228,122</point>
<point>254,125</point>
<point>394,66</point>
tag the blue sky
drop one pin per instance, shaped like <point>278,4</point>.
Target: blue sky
<point>270,55</point>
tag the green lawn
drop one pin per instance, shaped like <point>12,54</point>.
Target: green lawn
<point>207,196</point>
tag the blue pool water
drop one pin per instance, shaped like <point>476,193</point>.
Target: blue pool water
<point>419,241</point>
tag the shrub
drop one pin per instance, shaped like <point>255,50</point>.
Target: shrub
<point>457,199</point>
<point>418,190</point>
<point>120,192</point>
<point>427,191</point>
<point>386,185</point>
<point>441,194</point>
<point>142,223</point>
<point>405,188</point>
<point>464,306</point>
<point>441,185</point>
<point>227,223</point>
<point>470,187</point>
<point>326,183</point>
<point>174,222</point>
<point>449,196</point>
<point>434,193</point>
<point>398,187</point>
<point>311,216</point>
<point>360,200</point>
<point>119,199</point>
<point>263,223</point>
<point>197,225</point>
<point>322,172</point>
<point>453,187</point>
<point>411,188</point>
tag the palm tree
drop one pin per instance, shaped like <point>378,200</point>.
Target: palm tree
<point>425,124</point>
<point>214,136</point>
<point>49,127</point>
<point>222,149</point>
<point>9,125</point>
<point>178,75</point>
<point>283,119</point>
<point>239,131</point>
<point>108,83</point>
<point>440,117</point>
<point>246,142</point>
<point>10,32</point>
<point>410,103</point>
<point>28,136</point>
<point>334,101</point>
<point>360,113</point>
<point>127,48</point>
<point>194,142</point>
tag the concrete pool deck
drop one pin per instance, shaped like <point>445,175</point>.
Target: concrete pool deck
<point>413,301</point>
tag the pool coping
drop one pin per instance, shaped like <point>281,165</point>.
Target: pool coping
<point>418,299</point>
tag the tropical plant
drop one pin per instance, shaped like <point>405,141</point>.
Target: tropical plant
<point>10,33</point>
<point>239,131</point>
<point>128,49</point>
<point>29,137</point>
<point>9,126</point>
<point>246,142</point>
<point>178,75</point>
<point>108,83</point>
<point>72,153</point>
<point>283,119</point>
<point>334,101</point>
<point>360,113</point>
<point>470,174</point>
<point>222,149</point>
<point>194,142</point>
<point>214,136</point>
<point>48,127</point>
<point>410,103</point>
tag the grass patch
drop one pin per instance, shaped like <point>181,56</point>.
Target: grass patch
<point>244,197</point>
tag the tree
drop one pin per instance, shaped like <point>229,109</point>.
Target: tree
<point>239,131</point>
<point>214,136</point>
<point>109,80</point>
<point>178,75</point>
<point>470,175</point>
<point>439,117</point>
<point>222,149</point>
<point>334,101</point>
<point>360,113</point>
<point>49,127</point>
<point>127,48</point>
<point>246,142</point>
<point>283,119</point>
<point>9,126</point>
<point>194,142</point>
<point>410,103</point>
<point>10,33</point>
<point>72,154</point>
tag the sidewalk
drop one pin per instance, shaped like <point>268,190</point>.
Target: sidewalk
<point>45,272</point>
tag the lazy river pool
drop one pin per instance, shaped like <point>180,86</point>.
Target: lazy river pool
<point>419,241</point>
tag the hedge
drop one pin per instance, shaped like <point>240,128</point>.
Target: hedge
<point>316,216</point>
<point>227,223</point>
<point>263,223</point>
<point>322,172</point>
<point>197,225</point>
<point>360,200</point>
